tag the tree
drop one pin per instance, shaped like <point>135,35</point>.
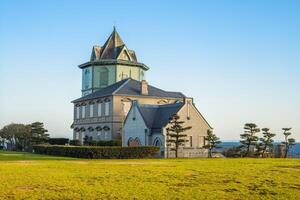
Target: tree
<point>266,143</point>
<point>175,133</point>
<point>288,142</point>
<point>16,134</point>
<point>213,142</point>
<point>22,137</point>
<point>38,133</point>
<point>248,138</point>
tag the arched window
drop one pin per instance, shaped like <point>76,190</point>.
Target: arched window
<point>134,142</point>
<point>129,143</point>
<point>157,142</point>
<point>137,141</point>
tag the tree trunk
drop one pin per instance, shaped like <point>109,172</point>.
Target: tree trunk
<point>209,153</point>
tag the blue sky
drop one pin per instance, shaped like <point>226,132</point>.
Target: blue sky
<point>240,60</point>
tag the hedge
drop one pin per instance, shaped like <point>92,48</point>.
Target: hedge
<point>104,143</point>
<point>96,152</point>
<point>58,141</point>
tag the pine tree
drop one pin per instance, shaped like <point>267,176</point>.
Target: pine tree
<point>38,133</point>
<point>288,142</point>
<point>175,134</point>
<point>213,142</point>
<point>248,138</point>
<point>266,143</point>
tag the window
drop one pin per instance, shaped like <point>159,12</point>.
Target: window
<point>82,111</point>
<point>191,141</point>
<point>99,109</point>
<point>87,79</point>
<point>91,110</point>
<point>188,110</point>
<point>142,76</point>
<point>106,108</point>
<point>157,142</point>
<point>104,77</point>
<point>77,112</point>
<point>201,141</point>
<point>134,143</point>
<point>105,135</point>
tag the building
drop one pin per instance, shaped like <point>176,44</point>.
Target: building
<point>146,125</point>
<point>113,82</point>
<point>100,115</point>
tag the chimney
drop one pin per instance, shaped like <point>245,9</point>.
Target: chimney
<point>144,87</point>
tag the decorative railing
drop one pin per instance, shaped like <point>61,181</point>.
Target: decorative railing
<point>87,120</point>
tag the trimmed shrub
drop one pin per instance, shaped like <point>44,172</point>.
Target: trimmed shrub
<point>58,141</point>
<point>95,152</point>
<point>75,142</point>
<point>109,143</point>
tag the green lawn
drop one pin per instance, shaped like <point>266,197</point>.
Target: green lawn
<point>29,176</point>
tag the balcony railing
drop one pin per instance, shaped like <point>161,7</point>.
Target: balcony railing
<point>116,118</point>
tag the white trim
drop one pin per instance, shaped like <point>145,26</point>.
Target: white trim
<point>83,111</point>
<point>91,110</point>
<point>99,108</point>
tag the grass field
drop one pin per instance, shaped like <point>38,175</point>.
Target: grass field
<point>29,176</point>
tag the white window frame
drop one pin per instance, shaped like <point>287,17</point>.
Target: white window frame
<point>77,112</point>
<point>105,135</point>
<point>99,109</point>
<point>106,109</point>
<point>188,110</point>
<point>91,110</point>
<point>82,111</point>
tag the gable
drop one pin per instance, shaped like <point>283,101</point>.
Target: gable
<point>124,55</point>
<point>134,119</point>
<point>192,116</point>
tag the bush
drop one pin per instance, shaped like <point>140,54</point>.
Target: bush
<point>58,141</point>
<point>103,143</point>
<point>75,142</point>
<point>233,152</point>
<point>94,152</point>
<point>109,143</point>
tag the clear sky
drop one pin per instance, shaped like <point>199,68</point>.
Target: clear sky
<point>240,60</point>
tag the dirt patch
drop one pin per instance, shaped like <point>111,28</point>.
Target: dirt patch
<point>77,162</point>
<point>26,187</point>
<point>290,167</point>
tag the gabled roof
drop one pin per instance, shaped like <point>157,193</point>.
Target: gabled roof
<point>157,116</point>
<point>112,49</point>
<point>129,87</point>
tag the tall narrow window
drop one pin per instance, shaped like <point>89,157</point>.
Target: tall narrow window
<point>77,112</point>
<point>99,109</point>
<point>91,110</point>
<point>188,110</point>
<point>104,77</point>
<point>191,141</point>
<point>201,141</point>
<point>106,108</point>
<point>82,111</point>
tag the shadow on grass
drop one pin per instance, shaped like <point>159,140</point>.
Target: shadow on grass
<point>19,156</point>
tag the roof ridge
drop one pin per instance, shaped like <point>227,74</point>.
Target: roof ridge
<point>121,86</point>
